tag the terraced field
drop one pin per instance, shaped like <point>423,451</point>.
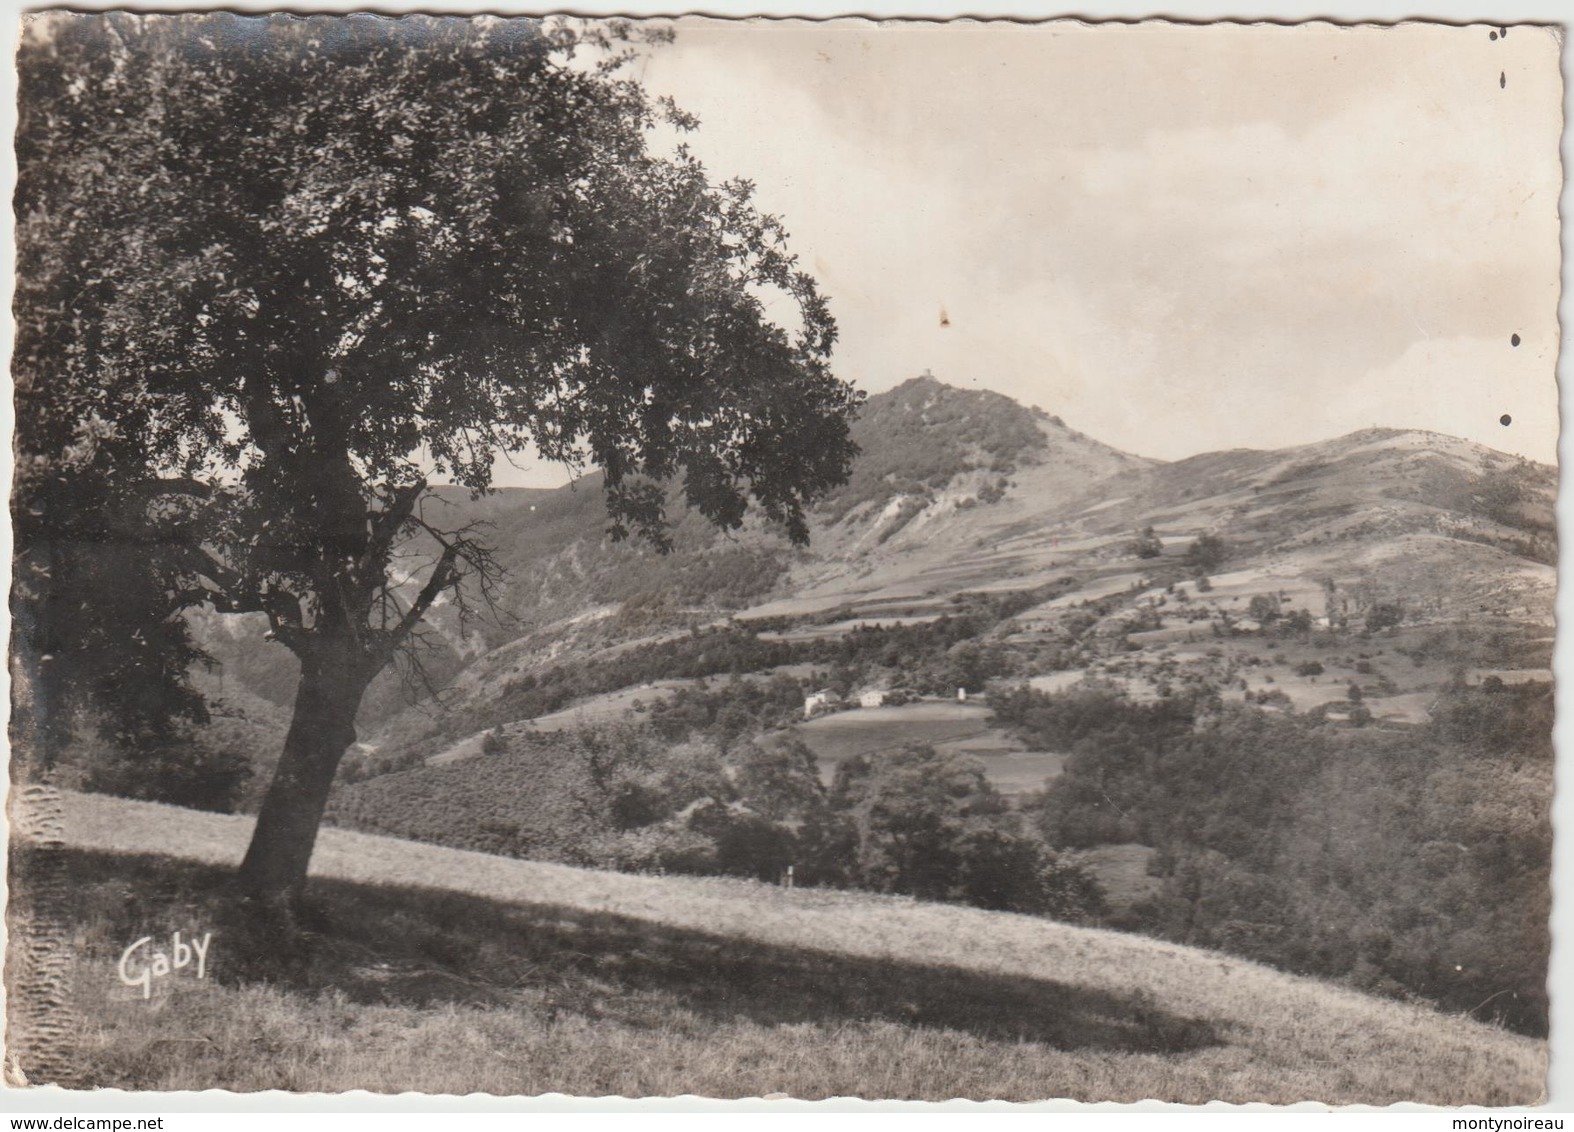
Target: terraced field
<point>961,727</point>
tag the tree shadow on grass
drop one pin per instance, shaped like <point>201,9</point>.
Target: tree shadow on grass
<point>423,947</point>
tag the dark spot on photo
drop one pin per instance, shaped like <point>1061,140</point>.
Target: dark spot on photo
<point>1505,420</point>
<point>1513,339</point>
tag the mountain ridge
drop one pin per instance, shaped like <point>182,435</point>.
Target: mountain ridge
<point>960,491</point>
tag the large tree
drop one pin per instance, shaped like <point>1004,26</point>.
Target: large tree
<point>278,274</point>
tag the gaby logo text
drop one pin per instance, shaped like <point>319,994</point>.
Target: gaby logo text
<point>141,963</point>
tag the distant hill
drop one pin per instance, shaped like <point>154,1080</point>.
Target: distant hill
<point>1328,491</point>
<point>964,492</point>
<point>924,437</point>
<point>938,468</point>
<point>941,469</point>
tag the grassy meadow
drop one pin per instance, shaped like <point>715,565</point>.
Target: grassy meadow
<point>443,971</point>
<point>945,725</point>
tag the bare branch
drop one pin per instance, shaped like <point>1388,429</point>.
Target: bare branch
<point>463,558</point>
<point>444,574</point>
<point>414,679</point>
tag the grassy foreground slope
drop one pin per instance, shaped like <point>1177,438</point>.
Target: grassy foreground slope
<point>443,971</point>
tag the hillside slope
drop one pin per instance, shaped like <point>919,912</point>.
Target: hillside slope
<point>962,492</point>
<point>592,983</point>
<point>940,470</point>
<point>1449,528</point>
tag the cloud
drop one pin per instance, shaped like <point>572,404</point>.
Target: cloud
<point>1179,238</point>
<point>1462,387</point>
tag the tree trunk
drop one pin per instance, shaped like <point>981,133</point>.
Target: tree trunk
<point>333,680</point>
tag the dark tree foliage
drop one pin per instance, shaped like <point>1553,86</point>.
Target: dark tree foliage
<point>1384,615</point>
<point>1207,554</point>
<point>276,273</point>
<point>910,810</point>
<point>1012,873</point>
<point>1147,544</point>
<point>1403,862</point>
<point>1263,608</point>
<point>683,794</point>
<point>1497,718</point>
<point>182,768</point>
<point>92,632</point>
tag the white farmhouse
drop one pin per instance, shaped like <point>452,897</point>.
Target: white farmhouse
<point>818,702</point>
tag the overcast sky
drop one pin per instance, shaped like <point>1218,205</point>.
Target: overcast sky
<point>1177,238</point>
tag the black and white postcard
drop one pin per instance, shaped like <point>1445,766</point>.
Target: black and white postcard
<point>788,559</point>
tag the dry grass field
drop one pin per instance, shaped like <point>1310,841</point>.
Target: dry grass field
<point>442,971</point>
<point>1017,772</point>
<point>862,731</point>
<point>1122,870</point>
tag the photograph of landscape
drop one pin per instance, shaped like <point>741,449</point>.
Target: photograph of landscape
<point>783,559</point>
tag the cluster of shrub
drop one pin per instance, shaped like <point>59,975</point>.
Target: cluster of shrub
<point>930,658</point>
<point>221,761</point>
<point>701,653</point>
<point>1487,645</point>
<point>691,788</point>
<point>1205,554</point>
<point>728,712</point>
<point>957,650</point>
<point>1514,494</point>
<point>200,767</point>
<point>1268,611</point>
<point>914,821</point>
<point>930,824</point>
<point>1413,863</point>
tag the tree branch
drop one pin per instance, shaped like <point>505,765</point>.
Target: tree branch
<point>174,485</point>
<point>444,574</point>
<point>235,594</point>
<point>386,525</point>
<point>462,557</point>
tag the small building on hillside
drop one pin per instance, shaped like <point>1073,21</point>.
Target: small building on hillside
<point>874,698</point>
<point>819,702</point>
